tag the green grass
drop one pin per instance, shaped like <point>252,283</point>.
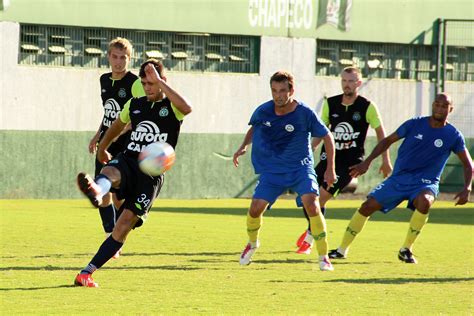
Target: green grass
<point>184,260</point>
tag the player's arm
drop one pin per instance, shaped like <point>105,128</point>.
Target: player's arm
<point>375,121</point>
<point>382,146</point>
<point>243,148</point>
<point>330,173</point>
<point>466,160</point>
<point>94,140</point>
<point>315,141</point>
<point>386,167</point>
<point>179,101</point>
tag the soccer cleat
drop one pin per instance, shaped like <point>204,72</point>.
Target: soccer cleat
<point>307,244</point>
<point>300,240</point>
<point>85,279</point>
<point>406,256</point>
<point>246,256</point>
<point>335,254</point>
<point>90,189</point>
<point>325,264</point>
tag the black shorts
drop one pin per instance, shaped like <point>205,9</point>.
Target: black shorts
<point>138,189</point>
<point>342,180</point>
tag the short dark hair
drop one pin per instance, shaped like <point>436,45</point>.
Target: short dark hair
<point>353,70</point>
<point>156,63</point>
<point>281,76</point>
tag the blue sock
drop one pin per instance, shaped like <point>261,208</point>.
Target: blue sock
<point>106,251</point>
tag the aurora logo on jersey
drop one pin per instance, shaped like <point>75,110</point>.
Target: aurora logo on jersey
<point>145,133</point>
<point>111,112</point>
<point>344,136</point>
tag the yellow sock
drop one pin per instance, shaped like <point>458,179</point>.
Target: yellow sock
<point>355,226</point>
<point>417,221</point>
<point>318,230</point>
<point>253,227</point>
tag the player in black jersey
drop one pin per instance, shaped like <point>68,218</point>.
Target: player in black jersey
<point>117,87</point>
<point>348,115</point>
<point>156,117</point>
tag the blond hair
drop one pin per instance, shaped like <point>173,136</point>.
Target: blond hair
<point>122,44</point>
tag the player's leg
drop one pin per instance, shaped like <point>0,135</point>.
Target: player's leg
<point>95,189</point>
<point>355,226</point>
<point>306,240</point>
<point>266,192</point>
<point>108,248</point>
<point>318,229</point>
<point>422,204</point>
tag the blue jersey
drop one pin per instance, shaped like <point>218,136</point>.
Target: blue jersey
<point>282,143</point>
<point>425,150</point>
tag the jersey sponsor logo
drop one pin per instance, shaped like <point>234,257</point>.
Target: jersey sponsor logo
<point>438,143</point>
<point>426,181</point>
<point>306,162</point>
<point>122,93</point>
<point>146,132</point>
<point>344,136</point>
<point>267,123</point>
<point>111,112</point>
<point>356,116</point>
<point>323,156</point>
<point>289,128</point>
<point>163,112</point>
<point>419,136</point>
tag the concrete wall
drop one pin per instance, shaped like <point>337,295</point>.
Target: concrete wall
<point>64,104</point>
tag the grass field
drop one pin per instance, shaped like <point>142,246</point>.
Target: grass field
<point>184,260</point>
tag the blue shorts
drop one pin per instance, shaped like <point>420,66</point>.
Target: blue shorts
<point>271,185</point>
<point>390,193</point>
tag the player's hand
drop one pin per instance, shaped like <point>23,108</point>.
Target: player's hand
<point>359,169</point>
<point>237,154</point>
<point>385,169</point>
<point>462,197</point>
<point>103,156</point>
<point>330,177</point>
<point>93,144</point>
<point>151,74</point>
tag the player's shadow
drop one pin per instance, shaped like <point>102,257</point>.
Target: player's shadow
<point>37,288</point>
<point>460,216</point>
<point>400,280</point>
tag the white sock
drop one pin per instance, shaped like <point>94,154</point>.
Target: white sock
<point>104,184</point>
<point>342,251</point>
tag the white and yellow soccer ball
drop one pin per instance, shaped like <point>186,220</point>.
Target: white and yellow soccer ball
<point>156,158</point>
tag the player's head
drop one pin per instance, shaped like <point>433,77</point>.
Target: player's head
<point>282,85</point>
<point>351,79</point>
<point>442,106</point>
<point>152,91</point>
<point>119,53</point>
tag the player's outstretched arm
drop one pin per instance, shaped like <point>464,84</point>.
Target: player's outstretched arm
<point>243,148</point>
<point>330,173</point>
<point>179,101</point>
<point>383,145</point>
<point>463,196</point>
<point>112,133</point>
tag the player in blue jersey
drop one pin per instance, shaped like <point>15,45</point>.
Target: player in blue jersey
<point>157,116</point>
<point>428,142</point>
<point>280,133</point>
<point>117,87</point>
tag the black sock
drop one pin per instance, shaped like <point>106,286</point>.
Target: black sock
<point>307,218</point>
<point>323,210</point>
<point>107,214</point>
<point>106,251</point>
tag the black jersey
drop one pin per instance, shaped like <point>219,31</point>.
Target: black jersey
<point>349,126</point>
<point>151,122</point>
<point>115,93</point>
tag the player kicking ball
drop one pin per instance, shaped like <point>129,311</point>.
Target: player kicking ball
<point>428,142</point>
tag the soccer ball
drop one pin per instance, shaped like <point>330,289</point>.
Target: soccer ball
<point>156,158</point>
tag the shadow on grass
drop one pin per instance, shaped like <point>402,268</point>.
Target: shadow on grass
<point>461,216</point>
<point>399,280</point>
<point>37,288</point>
